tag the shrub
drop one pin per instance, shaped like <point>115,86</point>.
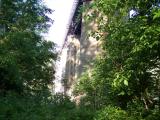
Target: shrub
<point>112,113</point>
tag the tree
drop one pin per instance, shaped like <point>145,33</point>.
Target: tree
<point>26,58</point>
<point>129,65</point>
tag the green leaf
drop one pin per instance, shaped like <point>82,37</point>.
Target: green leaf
<point>126,82</point>
<point>156,15</point>
<point>122,93</point>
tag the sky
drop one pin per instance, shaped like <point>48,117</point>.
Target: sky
<point>58,31</point>
<point>62,10</point>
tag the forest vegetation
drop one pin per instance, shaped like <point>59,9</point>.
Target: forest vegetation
<point>124,83</point>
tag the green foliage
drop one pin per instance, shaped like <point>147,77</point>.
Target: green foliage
<point>31,59</point>
<point>126,76</point>
<point>27,66</point>
<point>26,59</point>
<point>128,73</point>
<point>14,107</point>
<point>95,89</point>
<point>154,115</point>
<point>112,113</point>
<point>57,107</point>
